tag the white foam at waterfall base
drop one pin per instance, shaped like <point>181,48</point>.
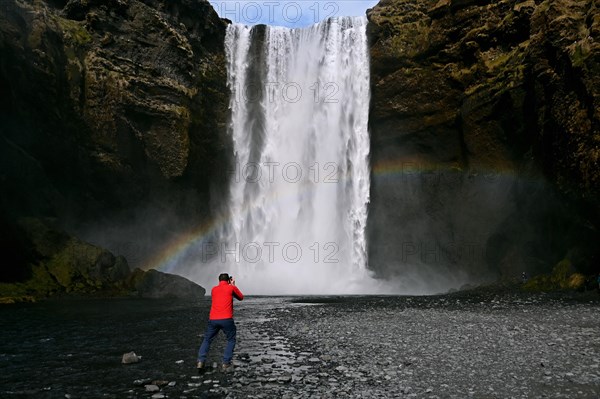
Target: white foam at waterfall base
<point>299,194</point>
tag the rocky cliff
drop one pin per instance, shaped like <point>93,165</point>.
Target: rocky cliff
<point>485,137</point>
<point>113,123</point>
<point>113,119</point>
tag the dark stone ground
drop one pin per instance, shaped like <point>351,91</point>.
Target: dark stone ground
<point>477,345</point>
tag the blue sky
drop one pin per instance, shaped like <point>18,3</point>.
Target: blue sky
<point>290,13</point>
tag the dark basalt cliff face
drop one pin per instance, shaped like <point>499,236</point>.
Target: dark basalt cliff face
<point>113,119</point>
<point>113,124</point>
<point>485,124</point>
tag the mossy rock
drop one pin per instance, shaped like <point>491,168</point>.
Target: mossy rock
<point>576,281</point>
<point>74,31</point>
<point>412,41</point>
<point>561,273</point>
<point>542,282</point>
<point>66,264</point>
<point>73,260</point>
<point>561,278</point>
<point>8,300</point>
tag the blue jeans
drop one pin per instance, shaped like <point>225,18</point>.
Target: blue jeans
<point>228,327</point>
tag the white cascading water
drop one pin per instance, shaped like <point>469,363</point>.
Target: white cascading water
<point>299,195</point>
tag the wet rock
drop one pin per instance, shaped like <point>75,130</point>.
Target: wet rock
<point>152,388</point>
<point>130,357</point>
<point>155,284</point>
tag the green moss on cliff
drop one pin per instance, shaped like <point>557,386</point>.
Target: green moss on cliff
<point>74,31</point>
<point>412,41</point>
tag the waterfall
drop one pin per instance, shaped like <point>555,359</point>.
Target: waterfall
<point>300,188</point>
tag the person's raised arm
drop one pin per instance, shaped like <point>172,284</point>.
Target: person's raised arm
<point>236,292</point>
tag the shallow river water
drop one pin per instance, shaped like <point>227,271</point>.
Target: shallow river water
<point>456,346</point>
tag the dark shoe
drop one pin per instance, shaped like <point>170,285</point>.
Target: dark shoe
<point>200,367</point>
<point>227,367</point>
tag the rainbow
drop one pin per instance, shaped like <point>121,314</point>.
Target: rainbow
<point>168,258</point>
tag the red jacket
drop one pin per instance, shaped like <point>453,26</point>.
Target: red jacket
<point>222,300</point>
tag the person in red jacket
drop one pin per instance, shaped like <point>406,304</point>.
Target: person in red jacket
<point>221,318</point>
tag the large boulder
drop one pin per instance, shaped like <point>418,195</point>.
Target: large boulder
<point>156,284</point>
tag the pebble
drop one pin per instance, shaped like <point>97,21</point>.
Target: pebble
<point>130,357</point>
<point>419,343</point>
<point>311,379</point>
<point>152,388</point>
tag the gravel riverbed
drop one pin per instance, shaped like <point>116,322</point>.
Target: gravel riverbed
<point>453,346</point>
